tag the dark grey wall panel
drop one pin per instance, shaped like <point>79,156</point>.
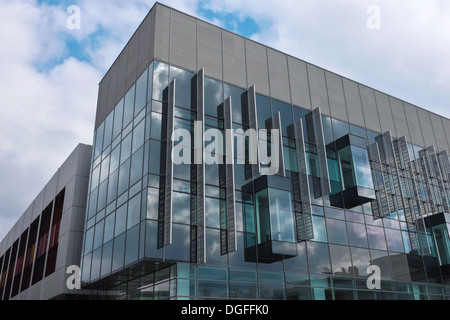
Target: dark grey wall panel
<point>132,61</point>
<point>439,132</point>
<point>234,70</point>
<point>209,48</point>
<point>318,88</point>
<point>122,75</point>
<point>257,70</point>
<point>102,100</point>
<point>385,113</point>
<point>353,101</point>
<point>413,124</point>
<point>427,128</point>
<point>298,77</point>
<point>446,124</point>
<point>278,76</point>
<point>183,41</point>
<point>370,109</point>
<point>399,118</point>
<point>336,96</point>
<point>144,45</point>
<point>162,33</point>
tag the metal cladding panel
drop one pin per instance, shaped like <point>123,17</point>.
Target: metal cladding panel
<point>145,37</point>
<point>201,218</point>
<point>209,49</point>
<point>162,33</point>
<point>446,124</point>
<point>370,109</point>
<point>183,41</point>
<point>234,66</point>
<point>318,88</point>
<point>278,75</point>
<point>257,69</point>
<point>385,113</point>
<point>336,95</point>
<point>132,58</point>
<point>321,151</point>
<point>168,191</point>
<point>121,75</point>
<point>427,127</point>
<point>276,120</point>
<point>398,117</point>
<point>353,101</point>
<point>102,100</point>
<point>414,125</point>
<point>298,78</point>
<point>439,132</point>
<point>303,219</point>
<point>229,176</point>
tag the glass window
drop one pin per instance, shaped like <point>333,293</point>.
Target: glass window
<point>124,175</point>
<point>181,203</point>
<point>362,167</point>
<point>88,241</point>
<point>108,130</point>
<point>112,186</point>
<point>213,96</point>
<point>126,149</point>
<point>134,211</point>
<point>119,252</point>
<point>121,220</point>
<point>138,136</point>
<point>160,79</point>
<point>155,157</point>
<point>327,131</point>
<point>340,260</point>
<point>361,261</point>
<point>212,273</point>
<point>298,263</point>
<point>152,203</point>
<point>263,110</point>
<point>102,193</point>
<point>180,248</point>
<point>128,111</point>
<point>98,147</point>
<point>141,92</point>
<point>271,292</point>
<point>340,129</point>
<point>243,290</point>
<point>212,212</point>
<point>337,232</point>
<point>357,234</point>
<point>213,289</point>
<point>285,112</point>
<point>281,216</point>
<point>213,248</point>
<point>136,166</point>
<point>104,169</point>
<point>271,277</point>
<point>376,237</point>
<point>95,266</point>
<point>320,232</point>
<point>106,258</point>
<point>93,203</point>
<point>183,90</point>
<point>114,159</point>
<point>109,227</point>
<point>242,275</point>
<point>118,118</point>
<point>319,259</point>
<point>357,131</point>
<point>394,240</point>
<point>238,102</point>
<point>156,127</point>
<point>334,213</point>
<point>132,245</point>
<point>98,240</point>
<point>151,241</point>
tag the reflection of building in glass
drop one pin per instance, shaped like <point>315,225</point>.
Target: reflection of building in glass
<point>358,181</point>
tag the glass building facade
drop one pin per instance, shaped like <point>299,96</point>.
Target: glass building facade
<point>345,196</point>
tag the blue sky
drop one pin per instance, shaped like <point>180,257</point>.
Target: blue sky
<point>49,74</point>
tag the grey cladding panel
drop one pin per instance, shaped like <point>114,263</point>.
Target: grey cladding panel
<point>427,128</point>
<point>122,75</point>
<point>162,33</point>
<point>439,132</point>
<point>398,115</point>
<point>384,111</point>
<point>257,70</point>
<point>353,100</point>
<point>102,101</point>
<point>209,46</point>
<point>234,59</point>
<point>278,75</point>
<point>369,109</point>
<point>414,125</point>
<point>318,87</point>
<point>132,61</point>
<point>298,77</point>
<point>446,123</point>
<point>145,35</point>
<point>183,40</point>
<point>336,96</point>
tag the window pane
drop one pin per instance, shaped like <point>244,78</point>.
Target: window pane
<point>132,245</point>
<point>394,240</point>
<point>141,93</point>
<point>129,106</point>
<point>319,259</point>
<point>357,235</point>
<point>124,175</point>
<point>118,118</point>
<point>286,114</point>
<point>183,86</point>
<point>320,233</point>
<point>136,166</point>
<point>238,101</point>
<point>337,232</point>
<point>134,211</point>
<point>109,227</point>
<point>213,96</point>
<point>361,261</point>
<point>119,252</point>
<point>126,149</point>
<point>106,259</point>
<point>340,129</point>
<point>108,130</point>
<point>264,111</point>
<point>121,220</point>
<point>181,207</point>
<point>138,136</point>
<point>340,260</point>
<point>376,238</point>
